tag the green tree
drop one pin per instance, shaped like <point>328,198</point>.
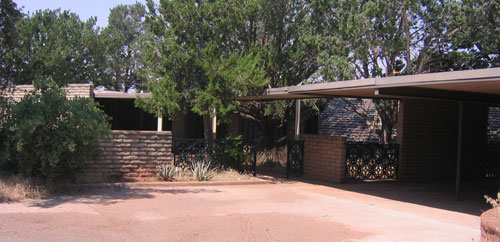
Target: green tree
<point>203,66</point>
<point>124,39</point>
<point>49,136</point>
<point>384,38</point>
<point>215,51</point>
<point>56,44</point>
<point>9,15</point>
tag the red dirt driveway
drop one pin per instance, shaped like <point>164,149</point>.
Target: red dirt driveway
<point>270,212</point>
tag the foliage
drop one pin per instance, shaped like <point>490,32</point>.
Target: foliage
<point>233,147</point>
<point>49,136</point>
<point>124,39</point>
<point>367,39</point>
<point>9,15</point>
<point>165,171</point>
<point>202,171</point>
<point>495,203</point>
<point>55,44</point>
<point>203,65</point>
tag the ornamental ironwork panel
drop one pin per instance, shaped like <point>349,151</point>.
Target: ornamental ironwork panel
<point>371,161</point>
<point>237,154</point>
<point>492,169</point>
<point>295,158</point>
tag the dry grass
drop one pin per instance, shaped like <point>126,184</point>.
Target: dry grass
<point>14,188</point>
<point>221,175</point>
<point>231,175</point>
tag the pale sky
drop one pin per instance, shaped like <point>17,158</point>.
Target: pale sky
<point>84,8</point>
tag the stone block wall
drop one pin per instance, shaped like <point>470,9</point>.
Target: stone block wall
<point>73,90</point>
<point>129,155</point>
<point>325,157</point>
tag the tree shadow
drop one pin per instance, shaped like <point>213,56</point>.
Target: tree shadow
<point>109,196</point>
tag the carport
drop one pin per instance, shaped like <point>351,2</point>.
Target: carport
<point>442,122</point>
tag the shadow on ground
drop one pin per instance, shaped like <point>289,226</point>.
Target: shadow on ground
<point>431,194</point>
<point>108,196</point>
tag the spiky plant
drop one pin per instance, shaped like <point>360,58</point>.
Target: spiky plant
<point>202,171</point>
<point>165,171</point>
<point>495,203</point>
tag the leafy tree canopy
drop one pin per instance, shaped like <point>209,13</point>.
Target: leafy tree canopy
<point>203,65</point>
<point>9,15</point>
<point>124,39</point>
<point>56,44</point>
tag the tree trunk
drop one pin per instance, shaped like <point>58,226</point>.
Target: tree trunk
<point>207,126</point>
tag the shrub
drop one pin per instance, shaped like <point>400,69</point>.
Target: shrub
<point>165,171</point>
<point>202,171</point>
<point>49,136</point>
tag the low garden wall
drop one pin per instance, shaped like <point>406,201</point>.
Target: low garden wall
<point>325,157</point>
<point>490,225</point>
<point>129,155</point>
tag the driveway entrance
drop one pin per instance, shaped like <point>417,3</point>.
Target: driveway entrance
<point>293,211</point>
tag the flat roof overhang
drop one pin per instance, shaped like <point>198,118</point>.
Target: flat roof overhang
<point>481,85</point>
<point>119,95</point>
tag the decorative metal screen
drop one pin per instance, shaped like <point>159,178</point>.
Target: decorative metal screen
<point>493,161</point>
<point>371,161</point>
<point>236,154</point>
<point>295,158</point>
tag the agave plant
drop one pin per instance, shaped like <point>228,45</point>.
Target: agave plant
<point>201,171</point>
<point>165,171</point>
<point>495,203</point>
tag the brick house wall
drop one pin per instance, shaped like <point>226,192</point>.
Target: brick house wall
<point>428,133</point>
<point>325,157</point>
<point>129,155</point>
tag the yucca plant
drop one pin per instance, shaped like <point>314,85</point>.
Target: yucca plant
<point>165,171</point>
<point>202,171</point>
<point>495,203</point>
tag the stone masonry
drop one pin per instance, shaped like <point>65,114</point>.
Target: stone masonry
<point>325,157</point>
<point>129,155</point>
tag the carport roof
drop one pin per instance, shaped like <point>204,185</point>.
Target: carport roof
<point>481,85</point>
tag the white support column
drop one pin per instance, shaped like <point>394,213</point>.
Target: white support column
<point>160,124</point>
<point>214,125</point>
<point>297,119</point>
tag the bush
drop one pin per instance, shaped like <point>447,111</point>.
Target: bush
<point>202,171</point>
<point>49,136</point>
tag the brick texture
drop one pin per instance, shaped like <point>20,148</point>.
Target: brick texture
<point>73,90</point>
<point>129,155</point>
<point>325,157</point>
<point>428,133</point>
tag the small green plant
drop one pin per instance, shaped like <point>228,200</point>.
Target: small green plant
<point>165,171</point>
<point>495,203</point>
<point>202,171</point>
